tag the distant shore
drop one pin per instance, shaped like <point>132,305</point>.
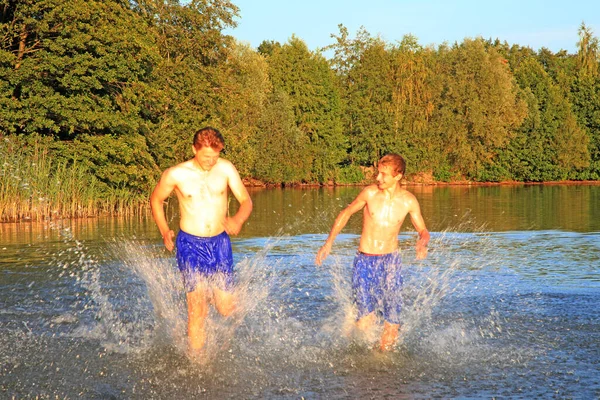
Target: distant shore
<point>254,183</point>
<point>32,213</point>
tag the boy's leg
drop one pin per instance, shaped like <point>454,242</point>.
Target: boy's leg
<point>224,301</point>
<point>366,322</point>
<point>197,304</point>
<point>389,336</point>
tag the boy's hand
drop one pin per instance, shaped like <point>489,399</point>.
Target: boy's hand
<point>168,240</point>
<point>323,253</point>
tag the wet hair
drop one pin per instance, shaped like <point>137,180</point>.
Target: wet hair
<point>395,161</point>
<point>209,137</point>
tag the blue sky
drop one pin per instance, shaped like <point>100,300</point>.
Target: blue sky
<point>536,23</point>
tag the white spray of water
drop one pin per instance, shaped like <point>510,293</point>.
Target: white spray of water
<point>138,301</point>
<point>453,261</point>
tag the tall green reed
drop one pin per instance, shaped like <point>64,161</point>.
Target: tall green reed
<point>36,185</point>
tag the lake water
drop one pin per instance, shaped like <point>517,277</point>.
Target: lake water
<point>505,306</point>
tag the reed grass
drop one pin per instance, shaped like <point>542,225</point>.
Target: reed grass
<point>35,186</point>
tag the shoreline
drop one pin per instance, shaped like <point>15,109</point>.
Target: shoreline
<point>256,185</point>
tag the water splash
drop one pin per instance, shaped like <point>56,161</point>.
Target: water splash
<point>138,303</point>
<point>292,319</point>
<point>431,328</point>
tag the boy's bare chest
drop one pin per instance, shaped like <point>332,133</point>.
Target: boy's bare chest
<point>386,211</point>
<point>201,187</point>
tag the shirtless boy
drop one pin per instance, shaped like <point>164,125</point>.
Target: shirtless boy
<point>204,254</point>
<point>377,280</point>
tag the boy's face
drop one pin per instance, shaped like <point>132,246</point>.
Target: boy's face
<point>386,177</point>
<point>206,157</point>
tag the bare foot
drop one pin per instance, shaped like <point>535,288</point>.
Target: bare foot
<point>389,336</point>
<point>385,347</point>
<point>197,356</point>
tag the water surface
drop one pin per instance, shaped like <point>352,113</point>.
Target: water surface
<point>506,305</point>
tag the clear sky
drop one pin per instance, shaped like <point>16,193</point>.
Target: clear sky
<point>535,23</point>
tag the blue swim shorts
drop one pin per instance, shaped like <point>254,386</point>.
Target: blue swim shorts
<point>376,285</point>
<point>205,260</point>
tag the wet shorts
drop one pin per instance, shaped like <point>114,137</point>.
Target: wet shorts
<point>205,260</point>
<point>376,285</point>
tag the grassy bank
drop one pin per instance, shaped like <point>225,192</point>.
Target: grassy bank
<point>34,186</point>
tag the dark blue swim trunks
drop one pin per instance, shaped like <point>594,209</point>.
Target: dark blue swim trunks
<point>376,285</point>
<point>205,260</point>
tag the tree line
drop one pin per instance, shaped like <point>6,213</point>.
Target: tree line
<point>117,88</point>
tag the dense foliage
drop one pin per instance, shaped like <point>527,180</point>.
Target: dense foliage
<point>116,88</point>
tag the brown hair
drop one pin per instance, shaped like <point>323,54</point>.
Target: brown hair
<point>395,161</point>
<point>209,137</point>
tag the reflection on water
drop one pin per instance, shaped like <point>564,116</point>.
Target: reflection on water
<point>498,208</point>
<point>502,307</point>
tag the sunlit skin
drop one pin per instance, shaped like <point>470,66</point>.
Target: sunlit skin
<point>385,205</point>
<point>201,185</point>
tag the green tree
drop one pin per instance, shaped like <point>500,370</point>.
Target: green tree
<point>549,144</point>
<point>63,69</point>
<point>587,55</point>
<point>416,90</point>
<point>284,153</point>
<point>193,29</point>
<point>268,47</point>
<point>118,162</point>
<point>369,105</point>
<point>348,52</point>
<point>248,88</point>
<point>187,88</point>
<point>309,82</point>
<point>347,55</point>
<point>561,67</point>
<point>585,96</point>
<point>479,108</point>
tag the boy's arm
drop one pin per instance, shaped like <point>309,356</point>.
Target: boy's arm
<point>419,224</point>
<point>338,225</point>
<point>161,192</point>
<point>233,225</point>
